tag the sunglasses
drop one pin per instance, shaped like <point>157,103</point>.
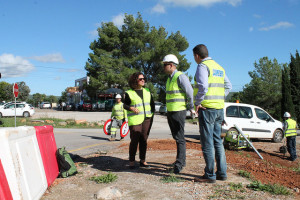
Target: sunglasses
<point>166,64</point>
<point>141,79</point>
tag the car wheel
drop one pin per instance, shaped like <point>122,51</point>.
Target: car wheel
<point>26,114</point>
<point>277,136</point>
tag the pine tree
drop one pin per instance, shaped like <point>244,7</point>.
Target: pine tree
<point>295,83</point>
<point>286,102</point>
<point>117,53</point>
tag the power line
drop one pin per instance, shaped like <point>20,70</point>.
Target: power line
<point>41,66</point>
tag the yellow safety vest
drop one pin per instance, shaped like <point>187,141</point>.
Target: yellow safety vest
<point>215,96</point>
<point>291,128</point>
<point>175,96</point>
<point>118,111</point>
<point>142,104</point>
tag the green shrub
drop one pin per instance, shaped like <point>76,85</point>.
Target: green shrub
<point>108,178</point>
<point>273,189</point>
<point>245,174</point>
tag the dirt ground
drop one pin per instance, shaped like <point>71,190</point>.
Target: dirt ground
<point>146,183</point>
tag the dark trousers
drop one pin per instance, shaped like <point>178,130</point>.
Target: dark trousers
<point>291,146</point>
<point>176,121</point>
<point>139,135</point>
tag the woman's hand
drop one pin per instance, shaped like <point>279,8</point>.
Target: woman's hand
<point>135,110</point>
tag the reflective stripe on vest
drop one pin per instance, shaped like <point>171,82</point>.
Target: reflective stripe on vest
<point>118,111</point>
<point>142,104</point>
<point>291,128</point>
<point>175,96</point>
<point>215,96</point>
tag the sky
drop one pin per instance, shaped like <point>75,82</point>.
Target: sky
<point>46,43</point>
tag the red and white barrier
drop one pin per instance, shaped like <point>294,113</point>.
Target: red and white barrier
<point>22,163</point>
<point>5,193</point>
<point>47,144</point>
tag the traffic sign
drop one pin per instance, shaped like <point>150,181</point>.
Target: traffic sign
<point>16,90</point>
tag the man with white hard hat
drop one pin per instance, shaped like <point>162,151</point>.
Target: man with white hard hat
<point>179,99</point>
<point>290,132</point>
<point>118,115</point>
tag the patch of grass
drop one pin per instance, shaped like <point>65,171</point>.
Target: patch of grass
<point>297,169</point>
<point>170,179</point>
<point>108,178</point>
<point>271,188</point>
<point>245,174</point>
<point>230,191</point>
<point>238,187</point>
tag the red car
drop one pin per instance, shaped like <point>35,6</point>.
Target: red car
<point>86,106</point>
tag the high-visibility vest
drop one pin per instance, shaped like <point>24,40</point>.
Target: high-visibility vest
<point>215,96</point>
<point>291,128</point>
<point>142,104</point>
<point>118,111</point>
<point>175,96</point>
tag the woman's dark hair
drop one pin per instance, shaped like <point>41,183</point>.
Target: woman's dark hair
<point>201,50</point>
<point>133,80</point>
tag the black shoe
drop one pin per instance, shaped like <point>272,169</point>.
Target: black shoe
<point>144,166</point>
<point>221,178</point>
<point>176,170</point>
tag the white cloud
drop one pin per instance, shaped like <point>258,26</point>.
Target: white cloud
<point>256,16</point>
<point>14,66</point>
<point>158,8</point>
<point>205,3</point>
<point>118,20</point>
<point>279,25</point>
<point>57,78</point>
<point>251,29</point>
<point>55,57</point>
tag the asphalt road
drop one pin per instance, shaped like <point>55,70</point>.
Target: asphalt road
<point>87,141</point>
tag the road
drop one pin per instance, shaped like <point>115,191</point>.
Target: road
<point>86,141</point>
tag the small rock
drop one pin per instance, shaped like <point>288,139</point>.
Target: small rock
<point>49,121</point>
<point>109,193</point>
<point>81,121</point>
<point>62,123</point>
<point>23,120</point>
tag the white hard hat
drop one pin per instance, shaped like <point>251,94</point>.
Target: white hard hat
<point>170,58</point>
<point>118,96</point>
<point>286,114</point>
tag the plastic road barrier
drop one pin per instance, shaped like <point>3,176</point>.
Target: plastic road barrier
<point>47,144</point>
<point>5,193</point>
<point>22,163</point>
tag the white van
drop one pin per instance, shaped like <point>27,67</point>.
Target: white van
<point>252,120</point>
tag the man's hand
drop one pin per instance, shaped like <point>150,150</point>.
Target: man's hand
<point>200,107</point>
<point>193,113</point>
<point>135,110</point>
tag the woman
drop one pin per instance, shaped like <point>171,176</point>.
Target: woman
<point>140,105</point>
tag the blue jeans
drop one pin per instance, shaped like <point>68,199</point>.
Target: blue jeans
<point>291,145</point>
<point>210,123</point>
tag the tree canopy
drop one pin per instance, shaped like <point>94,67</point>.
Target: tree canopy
<point>6,91</point>
<point>136,46</point>
<point>264,89</point>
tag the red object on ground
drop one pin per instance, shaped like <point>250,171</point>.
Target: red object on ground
<point>5,193</point>
<point>47,145</point>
